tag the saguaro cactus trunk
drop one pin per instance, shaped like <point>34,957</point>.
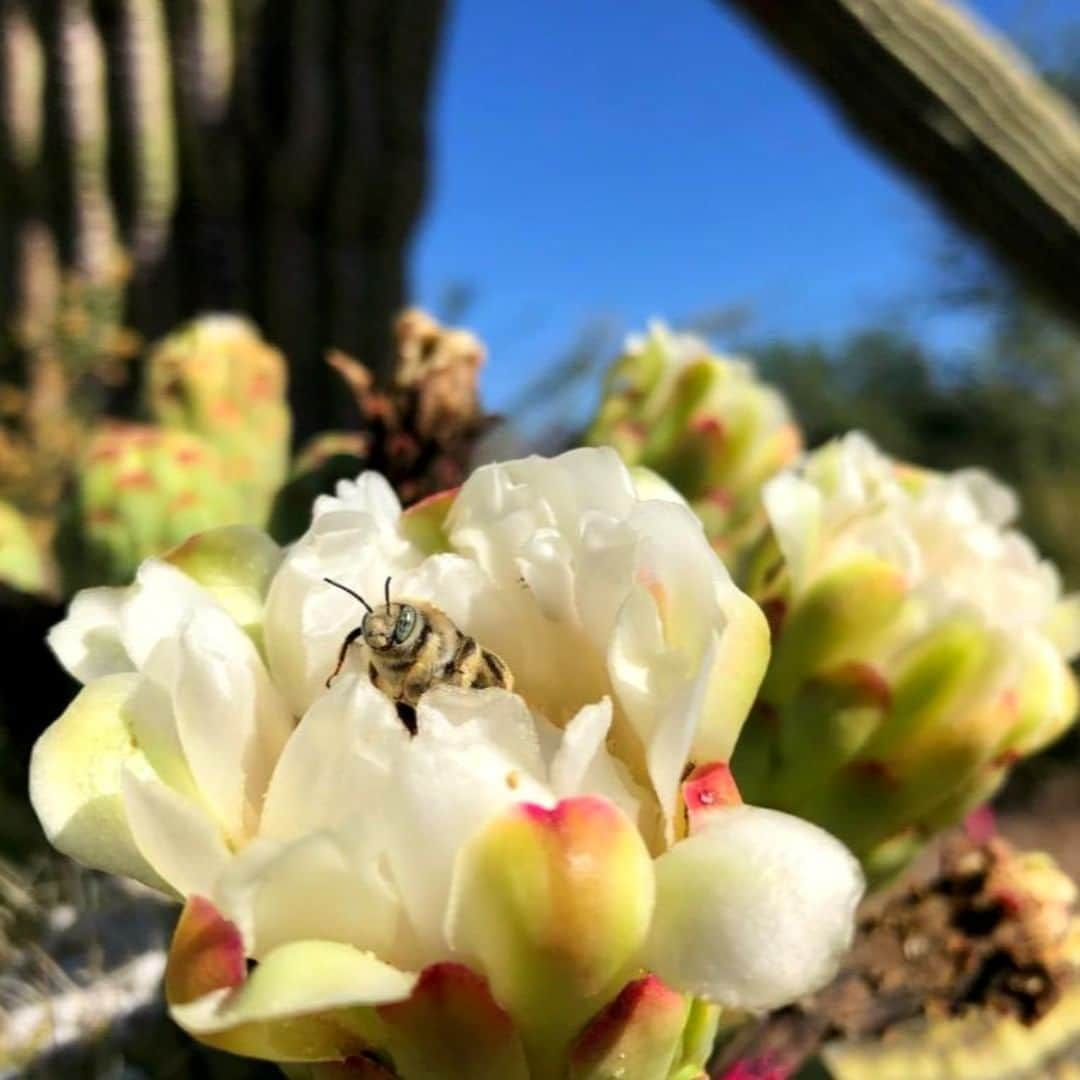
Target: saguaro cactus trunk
<point>267,156</point>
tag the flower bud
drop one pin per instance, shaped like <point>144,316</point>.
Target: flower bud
<point>217,378</point>
<point>638,1034</point>
<point>701,421</point>
<point>554,904</point>
<point>920,646</point>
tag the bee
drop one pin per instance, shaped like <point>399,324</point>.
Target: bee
<point>414,646</point>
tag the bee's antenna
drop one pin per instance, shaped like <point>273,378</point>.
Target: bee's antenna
<point>345,588</point>
<point>386,590</point>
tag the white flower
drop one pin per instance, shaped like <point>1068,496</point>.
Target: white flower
<point>526,847</point>
<point>920,647</point>
<point>947,533</point>
<point>173,741</point>
<point>584,589</point>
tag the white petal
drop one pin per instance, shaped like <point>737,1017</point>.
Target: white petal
<point>370,493</point>
<point>651,485</point>
<point>582,764</point>
<point>996,502</point>
<point>337,762</point>
<point>268,891</point>
<point>228,717</point>
<point>754,911</point>
<point>158,604</point>
<point>450,780</point>
<point>499,719</point>
<point>501,507</point>
<point>87,642</point>
<point>1063,626</point>
<point>545,564</point>
<point>738,665</point>
<point>179,840</point>
<point>75,780</point>
<point>795,508</point>
<point>687,650</point>
<point>153,726</point>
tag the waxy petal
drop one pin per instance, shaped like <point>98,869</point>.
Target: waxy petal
<point>336,763</point>
<point>738,667</point>
<point>639,1034</point>
<point>206,954</point>
<point>268,888</point>
<point>234,564</point>
<point>175,835</point>
<point>76,776</point>
<point>307,1001</point>
<point>583,765</point>
<point>453,777</point>
<point>754,910</point>
<point>88,641</point>
<point>795,511</point>
<point>687,651</point>
<point>500,507</point>
<point>451,1027</point>
<point>161,601</point>
<point>553,905</point>
<point>229,718</point>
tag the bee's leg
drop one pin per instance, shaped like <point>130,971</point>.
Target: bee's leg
<point>498,671</point>
<point>407,715</point>
<point>349,639</point>
<point>413,689</point>
<point>466,668</point>
<point>373,676</point>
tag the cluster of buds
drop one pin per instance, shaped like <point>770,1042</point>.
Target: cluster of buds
<point>216,378</point>
<point>556,881</point>
<point>100,495</point>
<point>703,422</point>
<point>141,489</point>
<point>920,648</point>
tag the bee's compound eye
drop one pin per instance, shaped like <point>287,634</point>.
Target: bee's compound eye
<point>406,620</point>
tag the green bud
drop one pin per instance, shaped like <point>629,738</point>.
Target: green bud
<point>217,378</point>
<point>141,490</point>
<point>837,619</point>
<point>704,423</point>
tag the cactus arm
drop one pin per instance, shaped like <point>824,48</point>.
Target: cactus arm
<point>147,77</point>
<point>386,64</point>
<point>23,88</point>
<point>293,285</point>
<point>86,122</point>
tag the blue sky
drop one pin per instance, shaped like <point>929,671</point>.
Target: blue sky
<point>617,159</point>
